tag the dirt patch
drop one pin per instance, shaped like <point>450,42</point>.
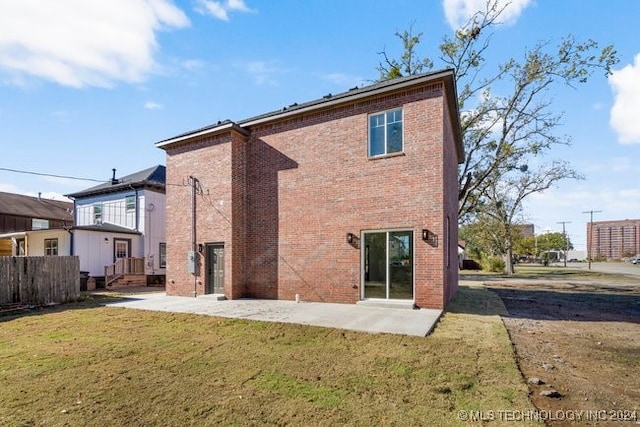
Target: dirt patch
<point>581,340</point>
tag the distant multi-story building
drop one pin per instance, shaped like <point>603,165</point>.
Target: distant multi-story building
<point>613,239</point>
<point>526,230</point>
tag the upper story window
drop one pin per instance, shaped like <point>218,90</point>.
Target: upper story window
<point>39,224</point>
<point>97,214</point>
<point>385,133</point>
<point>130,202</point>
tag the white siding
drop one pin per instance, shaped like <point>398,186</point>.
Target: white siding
<point>113,210</point>
<point>35,241</point>
<point>153,224</point>
<point>96,249</point>
<point>95,252</point>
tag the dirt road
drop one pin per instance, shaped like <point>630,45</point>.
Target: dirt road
<point>578,346</point>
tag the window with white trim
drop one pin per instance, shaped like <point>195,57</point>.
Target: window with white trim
<point>97,214</point>
<point>130,202</point>
<point>51,246</point>
<point>163,255</point>
<point>385,133</point>
<point>39,224</point>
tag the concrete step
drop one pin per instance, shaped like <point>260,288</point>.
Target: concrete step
<point>383,303</point>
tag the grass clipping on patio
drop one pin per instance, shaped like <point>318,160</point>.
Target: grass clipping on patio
<point>82,364</point>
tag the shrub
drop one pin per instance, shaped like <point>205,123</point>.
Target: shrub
<point>493,264</point>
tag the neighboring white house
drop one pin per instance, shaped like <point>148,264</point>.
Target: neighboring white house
<point>119,231</point>
<point>39,242</point>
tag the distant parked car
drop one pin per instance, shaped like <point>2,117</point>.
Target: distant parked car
<point>635,260</point>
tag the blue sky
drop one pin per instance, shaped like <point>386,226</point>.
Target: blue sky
<point>87,86</point>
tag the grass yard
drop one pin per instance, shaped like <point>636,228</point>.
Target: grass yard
<point>84,364</point>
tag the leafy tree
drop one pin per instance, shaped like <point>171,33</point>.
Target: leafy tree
<point>505,135</point>
<point>408,64</point>
<point>535,245</point>
<point>526,246</point>
<point>553,242</point>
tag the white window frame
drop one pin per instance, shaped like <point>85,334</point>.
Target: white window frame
<point>39,224</point>
<point>97,213</point>
<point>384,125</point>
<point>162,255</point>
<point>130,202</point>
<point>51,248</point>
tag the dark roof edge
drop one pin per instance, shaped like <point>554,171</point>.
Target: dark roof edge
<point>365,92</point>
<point>227,125</point>
<point>145,185</point>
<point>105,228</point>
<point>446,75</point>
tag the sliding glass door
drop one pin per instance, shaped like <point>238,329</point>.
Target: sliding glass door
<point>388,265</point>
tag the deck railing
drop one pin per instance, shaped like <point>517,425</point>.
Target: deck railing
<point>123,266</point>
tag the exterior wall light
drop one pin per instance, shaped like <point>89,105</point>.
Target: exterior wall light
<point>430,237</point>
<point>350,238</point>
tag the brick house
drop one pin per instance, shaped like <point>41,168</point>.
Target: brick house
<point>348,198</point>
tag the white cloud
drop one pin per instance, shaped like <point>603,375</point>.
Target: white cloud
<point>263,72</point>
<point>344,80</point>
<point>192,64</point>
<point>81,43</point>
<point>51,196</point>
<point>458,12</point>
<point>609,166</point>
<point>10,188</point>
<point>626,106</point>
<point>220,10</point>
<point>150,105</point>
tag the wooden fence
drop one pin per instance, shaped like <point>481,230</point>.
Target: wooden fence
<point>39,280</point>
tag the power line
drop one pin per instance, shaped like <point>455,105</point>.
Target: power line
<point>590,242</point>
<point>102,181</point>
<point>52,175</point>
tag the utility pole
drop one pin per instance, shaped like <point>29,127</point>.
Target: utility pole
<point>564,237</point>
<point>590,243</point>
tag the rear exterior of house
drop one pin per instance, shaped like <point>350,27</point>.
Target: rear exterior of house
<point>119,234</point>
<point>34,226</point>
<point>347,198</point>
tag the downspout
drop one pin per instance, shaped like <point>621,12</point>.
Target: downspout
<point>75,221</point>
<point>193,182</point>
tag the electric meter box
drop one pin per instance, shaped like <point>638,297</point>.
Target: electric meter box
<point>192,262</point>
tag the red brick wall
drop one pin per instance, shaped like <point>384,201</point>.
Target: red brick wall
<point>298,186</point>
<point>451,209</point>
<point>310,182</point>
<point>215,162</point>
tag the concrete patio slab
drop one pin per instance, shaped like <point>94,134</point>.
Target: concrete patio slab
<point>356,317</point>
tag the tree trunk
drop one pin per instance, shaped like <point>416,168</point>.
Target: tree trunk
<point>508,262</point>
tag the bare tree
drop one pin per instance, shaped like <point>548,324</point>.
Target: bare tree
<point>503,134</point>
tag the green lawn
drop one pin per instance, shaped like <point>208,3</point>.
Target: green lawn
<point>84,364</point>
